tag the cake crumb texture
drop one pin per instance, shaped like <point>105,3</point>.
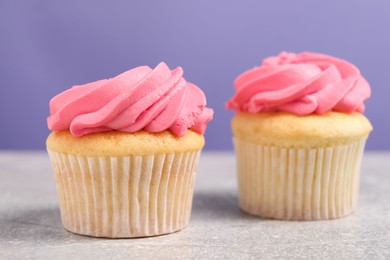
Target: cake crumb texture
<point>116,143</point>
<point>288,130</point>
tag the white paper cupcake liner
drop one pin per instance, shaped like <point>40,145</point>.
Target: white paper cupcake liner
<point>298,184</point>
<point>133,196</point>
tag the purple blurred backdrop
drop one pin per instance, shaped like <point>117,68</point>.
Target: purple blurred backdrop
<point>47,46</point>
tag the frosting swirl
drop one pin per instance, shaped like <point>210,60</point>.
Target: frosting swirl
<point>301,84</point>
<point>142,98</point>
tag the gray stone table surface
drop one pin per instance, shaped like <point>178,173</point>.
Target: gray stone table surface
<point>30,225</point>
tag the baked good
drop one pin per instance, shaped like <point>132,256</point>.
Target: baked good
<point>299,136</point>
<point>125,151</point>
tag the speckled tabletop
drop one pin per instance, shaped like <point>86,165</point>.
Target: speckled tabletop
<point>30,225</point>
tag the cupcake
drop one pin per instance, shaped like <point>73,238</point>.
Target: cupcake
<point>125,152</point>
<point>299,136</point>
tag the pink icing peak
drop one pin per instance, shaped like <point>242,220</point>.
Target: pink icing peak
<point>142,98</point>
<point>301,84</point>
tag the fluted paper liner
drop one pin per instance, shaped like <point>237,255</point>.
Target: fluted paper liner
<point>298,184</point>
<point>134,196</point>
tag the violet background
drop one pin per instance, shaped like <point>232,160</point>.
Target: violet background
<point>46,46</point>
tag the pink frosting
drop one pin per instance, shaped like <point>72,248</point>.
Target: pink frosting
<point>301,84</point>
<point>147,99</point>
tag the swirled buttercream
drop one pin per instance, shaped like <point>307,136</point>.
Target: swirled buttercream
<point>301,84</point>
<point>142,98</point>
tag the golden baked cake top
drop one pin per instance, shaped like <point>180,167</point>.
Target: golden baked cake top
<point>289,130</point>
<point>116,143</point>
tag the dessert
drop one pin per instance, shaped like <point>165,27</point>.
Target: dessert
<point>125,151</point>
<point>299,136</point>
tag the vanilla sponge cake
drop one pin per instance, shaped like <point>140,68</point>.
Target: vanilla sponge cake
<point>289,130</point>
<point>299,167</point>
<point>116,184</point>
<point>116,143</point>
